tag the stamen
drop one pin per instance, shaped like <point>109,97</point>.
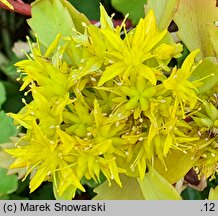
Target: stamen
<point>82,60</point>
<point>60,155</point>
<point>93,79</point>
<point>199,133</point>
<point>204,156</point>
<point>141,120</point>
<point>24,101</point>
<point>89,134</point>
<point>141,138</point>
<point>133,128</point>
<point>84,24</point>
<point>132,167</point>
<point>213,155</point>
<point>112,15</point>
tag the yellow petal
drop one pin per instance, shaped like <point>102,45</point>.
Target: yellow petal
<point>105,20</point>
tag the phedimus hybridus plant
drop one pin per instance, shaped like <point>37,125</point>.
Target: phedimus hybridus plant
<point>106,103</point>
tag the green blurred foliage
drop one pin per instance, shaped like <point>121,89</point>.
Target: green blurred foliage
<point>89,8</point>
<point>8,184</point>
<point>7,128</point>
<point>14,97</point>
<point>2,94</point>
<point>135,8</point>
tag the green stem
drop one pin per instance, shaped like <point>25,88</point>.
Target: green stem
<point>12,21</point>
<point>6,36</point>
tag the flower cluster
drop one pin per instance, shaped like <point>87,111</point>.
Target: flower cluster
<point>106,102</point>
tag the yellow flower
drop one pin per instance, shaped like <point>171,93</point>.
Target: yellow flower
<point>103,105</point>
<point>183,90</point>
<point>48,114</point>
<point>133,97</point>
<point>42,156</point>
<point>129,56</point>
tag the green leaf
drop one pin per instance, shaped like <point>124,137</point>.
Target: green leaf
<point>196,22</point>
<point>77,17</point>
<point>135,8</point>
<point>152,187</point>
<point>9,69</point>
<point>213,195</point>
<point>191,194</point>
<point>3,59</point>
<point>155,187</point>
<point>90,8</point>
<point>129,191</point>
<point>208,68</point>
<point>50,17</point>
<point>164,11</point>
<point>8,184</point>
<point>7,128</point>
<point>177,164</point>
<point>2,94</point>
<point>5,197</point>
<point>181,59</point>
